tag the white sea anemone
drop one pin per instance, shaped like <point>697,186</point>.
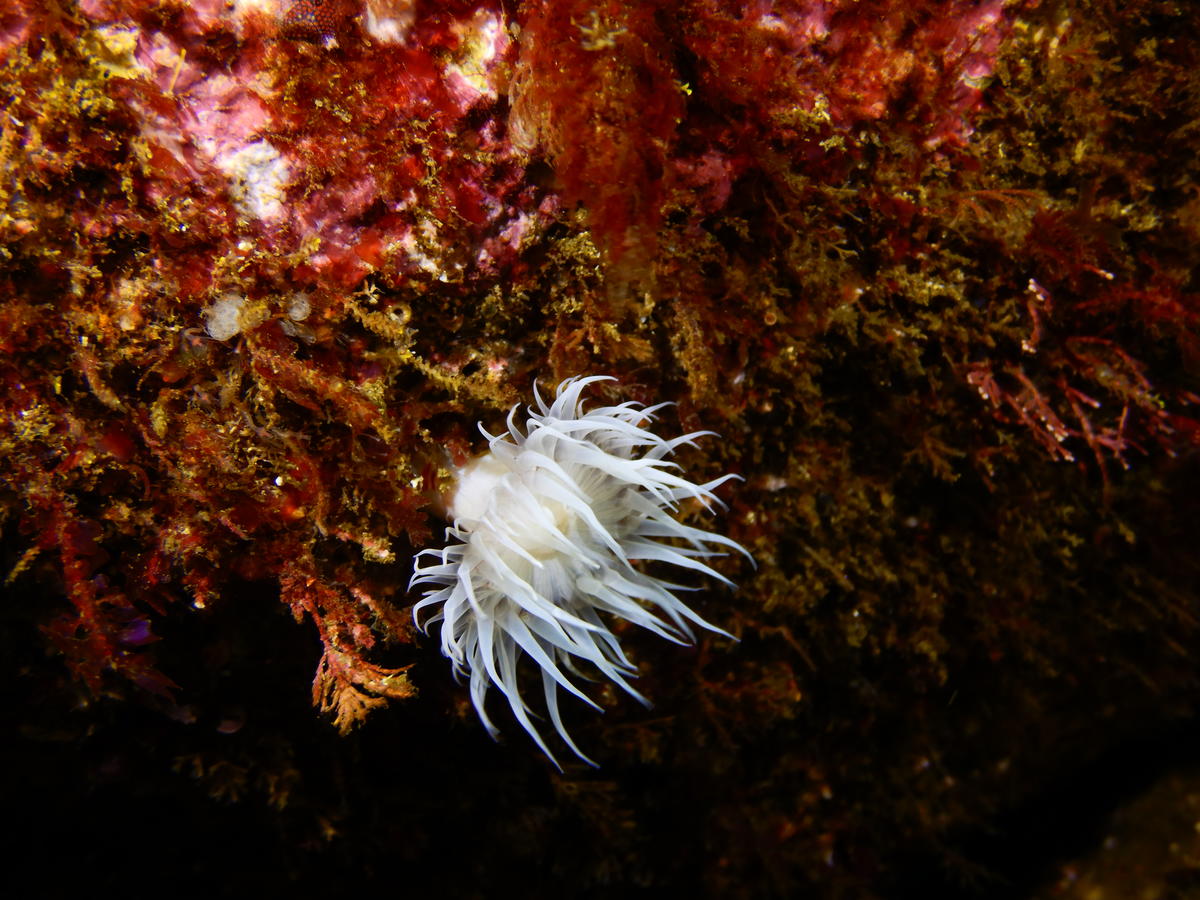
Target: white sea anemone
<point>549,524</point>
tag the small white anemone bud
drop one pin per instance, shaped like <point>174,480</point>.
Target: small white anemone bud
<point>549,527</point>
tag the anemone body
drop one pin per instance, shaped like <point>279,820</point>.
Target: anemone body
<point>547,527</point>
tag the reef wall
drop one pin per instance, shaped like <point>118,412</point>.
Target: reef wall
<point>928,269</point>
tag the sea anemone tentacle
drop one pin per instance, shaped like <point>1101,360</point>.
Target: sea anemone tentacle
<point>547,528</point>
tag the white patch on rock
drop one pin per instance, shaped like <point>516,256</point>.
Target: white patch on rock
<point>388,21</point>
<point>299,308</point>
<point>243,8</point>
<point>224,316</point>
<point>258,177</point>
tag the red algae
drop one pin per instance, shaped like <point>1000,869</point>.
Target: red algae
<point>595,88</point>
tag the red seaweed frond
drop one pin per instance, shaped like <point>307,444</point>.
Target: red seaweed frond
<point>346,683</point>
<point>594,86</point>
<point>1086,388</point>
